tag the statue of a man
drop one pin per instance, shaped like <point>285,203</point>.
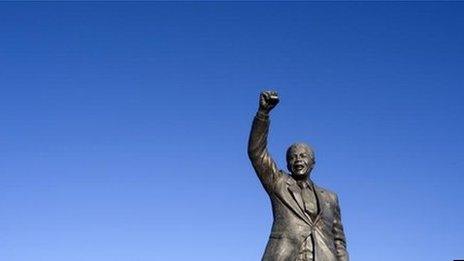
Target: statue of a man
<point>307,224</point>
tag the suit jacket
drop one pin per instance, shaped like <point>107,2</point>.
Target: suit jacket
<point>292,226</point>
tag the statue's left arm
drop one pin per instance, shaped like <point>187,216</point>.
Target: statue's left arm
<point>339,234</point>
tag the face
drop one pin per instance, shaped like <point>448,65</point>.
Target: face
<point>299,161</point>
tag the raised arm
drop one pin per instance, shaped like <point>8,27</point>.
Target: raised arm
<point>264,165</point>
<point>339,234</point>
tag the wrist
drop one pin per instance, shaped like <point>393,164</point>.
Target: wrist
<point>262,113</point>
<point>264,110</point>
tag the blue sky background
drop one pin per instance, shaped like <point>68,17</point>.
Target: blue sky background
<point>123,126</point>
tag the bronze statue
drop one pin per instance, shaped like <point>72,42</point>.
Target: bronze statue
<point>307,224</point>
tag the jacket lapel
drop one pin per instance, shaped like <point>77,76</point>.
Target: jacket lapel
<point>295,191</point>
<point>296,194</point>
<point>320,202</point>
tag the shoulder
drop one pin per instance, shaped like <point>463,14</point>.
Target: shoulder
<point>327,193</point>
<point>280,179</point>
<point>286,178</point>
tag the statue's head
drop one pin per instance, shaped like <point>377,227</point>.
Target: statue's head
<point>300,160</point>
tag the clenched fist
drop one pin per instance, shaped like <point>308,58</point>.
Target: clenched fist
<point>267,101</point>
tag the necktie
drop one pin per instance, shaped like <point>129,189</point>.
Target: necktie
<point>306,252</point>
<point>309,199</point>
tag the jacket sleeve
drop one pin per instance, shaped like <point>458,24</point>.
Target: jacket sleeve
<point>264,165</point>
<point>339,234</point>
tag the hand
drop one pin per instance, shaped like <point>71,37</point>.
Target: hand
<point>268,100</point>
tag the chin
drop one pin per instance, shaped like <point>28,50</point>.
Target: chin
<point>300,174</point>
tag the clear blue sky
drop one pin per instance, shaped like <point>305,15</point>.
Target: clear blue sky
<point>123,126</point>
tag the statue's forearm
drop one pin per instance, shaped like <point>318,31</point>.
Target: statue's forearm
<point>262,162</point>
<point>257,143</point>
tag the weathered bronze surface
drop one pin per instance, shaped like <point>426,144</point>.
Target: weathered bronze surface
<point>307,223</point>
